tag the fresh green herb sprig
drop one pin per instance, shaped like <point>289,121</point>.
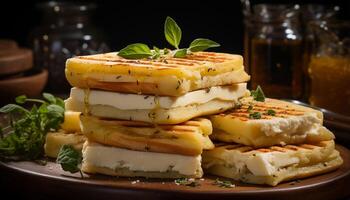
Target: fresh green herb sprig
<point>223,184</point>
<point>187,182</point>
<point>24,137</point>
<point>69,159</point>
<point>173,35</point>
<point>258,94</point>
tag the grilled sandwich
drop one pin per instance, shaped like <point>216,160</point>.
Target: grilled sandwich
<point>277,123</point>
<point>156,109</point>
<point>164,77</point>
<point>69,133</point>
<point>55,140</point>
<point>115,161</point>
<point>271,165</point>
<point>188,138</point>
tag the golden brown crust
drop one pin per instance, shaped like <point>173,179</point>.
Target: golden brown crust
<point>185,139</point>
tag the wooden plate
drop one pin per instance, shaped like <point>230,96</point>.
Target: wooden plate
<point>50,181</point>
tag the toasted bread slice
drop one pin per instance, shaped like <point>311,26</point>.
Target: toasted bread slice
<point>289,124</point>
<point>128,163</point>
<point>170,76</point>
<point>55,140</point>
<point>188,138</point>
<point>271,165</point>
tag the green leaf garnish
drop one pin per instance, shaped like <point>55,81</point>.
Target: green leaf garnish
<point>49,97</point>
<point>255,115</point>
<point>21,99</point>
<point>258,94</point>
<point>172,32</point>
<point>173,35</point>
<point>180,53</point>
<point>156,52</point>
<point>271,112</point>
<point>11,108</point>
<point>135,51</point>
<point>69,159</point>
<point>202,44</point>
<point>24,137</point>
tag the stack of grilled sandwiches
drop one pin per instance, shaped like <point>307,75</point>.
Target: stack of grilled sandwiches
<point>144,117</point>
<point>270,141</point>
<point>169,117</point>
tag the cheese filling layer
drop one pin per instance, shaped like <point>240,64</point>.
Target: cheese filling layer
<point>126,101</point>
<point>114,158</point>
<point>260,164</point>
<point>309,123</point>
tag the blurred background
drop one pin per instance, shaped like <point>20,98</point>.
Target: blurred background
<point>294,49</point>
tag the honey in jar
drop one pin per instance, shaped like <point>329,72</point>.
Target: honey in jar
<point>330,83</point>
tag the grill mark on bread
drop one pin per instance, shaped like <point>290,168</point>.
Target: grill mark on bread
<point>193,60</point>
<point>281,110</point>
<point>276,148</point>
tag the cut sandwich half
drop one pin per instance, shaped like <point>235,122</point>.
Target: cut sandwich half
<point>128,163</point>
<point>271,165</point>
<point>169,76</point>
<point>156,109</point>
<point>273,122</point>
<point>69,133</point>
<point>55,140</point>
<point>188,138</point>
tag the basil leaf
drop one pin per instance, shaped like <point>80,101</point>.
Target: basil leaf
<point>69,159</point>
<point>180,53</point>
<point>49,97</point>
<point>202,44</point>
<point>258,94</point>
<point>135,51</point>
<point>9,108</point>
<point>156,52</point>
<point>172,32</point>
<point>21,99</point>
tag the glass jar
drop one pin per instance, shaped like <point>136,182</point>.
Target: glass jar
<point>275,50</point>
<point>65,31</point>
<point>329,66</point>
<point>312,14</point>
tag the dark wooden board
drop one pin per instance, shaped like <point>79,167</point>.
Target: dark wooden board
<point>52,183</point>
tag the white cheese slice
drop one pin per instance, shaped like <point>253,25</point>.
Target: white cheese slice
<point>305,124</point>
<point>114,158</point>
<point>126,101</point>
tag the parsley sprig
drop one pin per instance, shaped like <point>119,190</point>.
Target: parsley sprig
<point>173,35</point>
<point>24,137</point>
